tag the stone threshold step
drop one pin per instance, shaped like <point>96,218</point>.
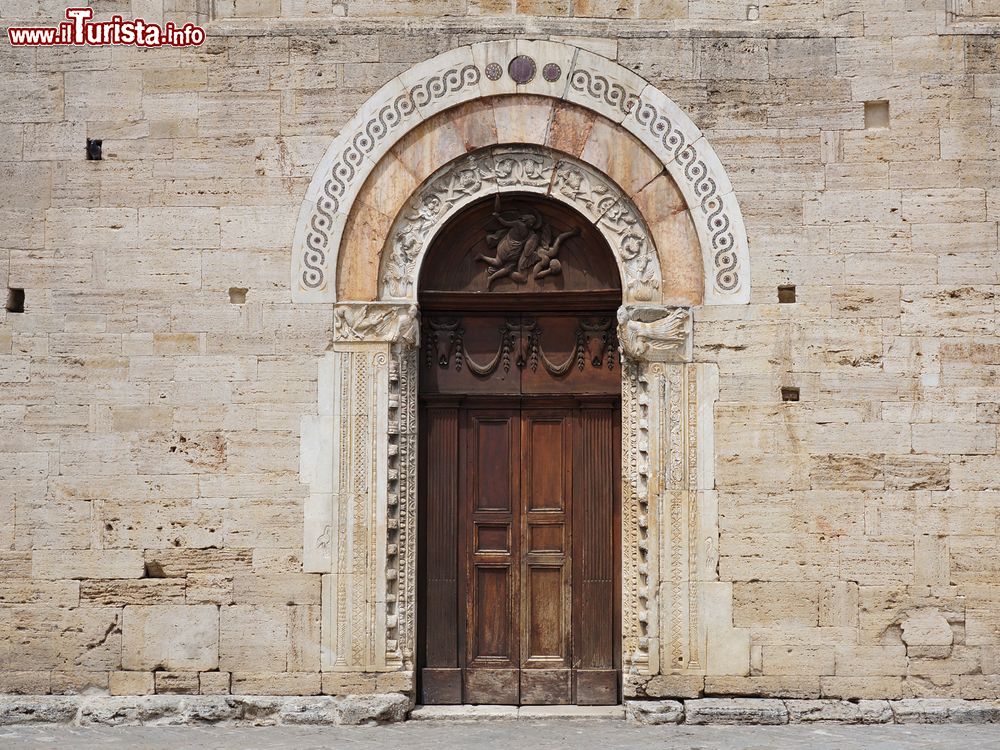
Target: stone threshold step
<point>522,713</point>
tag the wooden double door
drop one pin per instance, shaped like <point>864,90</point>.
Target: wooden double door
<point>520,544</point>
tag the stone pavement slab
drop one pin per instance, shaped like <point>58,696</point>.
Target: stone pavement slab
<point>501,735</point>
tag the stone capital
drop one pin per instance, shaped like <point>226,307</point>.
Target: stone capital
<point>376,322</point>
<point>655,334</point>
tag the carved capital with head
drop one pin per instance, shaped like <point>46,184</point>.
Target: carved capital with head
<point>655,334</point>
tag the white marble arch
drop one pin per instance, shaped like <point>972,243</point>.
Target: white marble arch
<point>553,69</point>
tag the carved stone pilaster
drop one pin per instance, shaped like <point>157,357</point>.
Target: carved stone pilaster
<point>669,516</point>
<point>401,506</point>
<point>360,514</point>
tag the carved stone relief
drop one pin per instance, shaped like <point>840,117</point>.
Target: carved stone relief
<point>523,247</point>
<point>655,334</point>
<point>576,75</point>
<point>524,169</point>
<point>519,343</point>
<point>376,322</point>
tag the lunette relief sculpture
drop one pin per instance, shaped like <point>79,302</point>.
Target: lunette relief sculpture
<point>523,247</point>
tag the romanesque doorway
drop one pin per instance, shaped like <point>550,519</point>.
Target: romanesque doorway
<point>520,446</point>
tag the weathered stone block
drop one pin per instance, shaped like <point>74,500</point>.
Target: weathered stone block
<point>735,711</point>
<point>838,712</point>
<point>654,712</point>
<point>253,638</point>
<point>131,683</point>
<point>171,637</point>
<point>81,564</point>
<point>214,683</point>
<point>176,682</point>
<point>275,683</point>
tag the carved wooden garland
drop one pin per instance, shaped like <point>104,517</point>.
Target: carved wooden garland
<point>520,344</point>
<point>525,169</point>
<point>472,72</point>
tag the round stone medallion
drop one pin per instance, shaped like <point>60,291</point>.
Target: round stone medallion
<point>521,69</point>
<point>494,71</point>
<point>551,72</point>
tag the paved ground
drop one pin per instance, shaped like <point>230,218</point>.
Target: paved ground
<point>516,735</point>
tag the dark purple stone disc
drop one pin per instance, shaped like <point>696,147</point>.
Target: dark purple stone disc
<point>522,69</point>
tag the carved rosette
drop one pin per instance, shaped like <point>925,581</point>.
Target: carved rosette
<point>531,169</point>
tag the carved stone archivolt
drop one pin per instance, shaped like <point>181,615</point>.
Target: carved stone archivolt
<point>477,71</point>
<point>523,169</point>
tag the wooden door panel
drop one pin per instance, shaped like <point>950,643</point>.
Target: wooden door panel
<point>500,686</point>
<point>490,509</point>
<point>441,676</point>
<point>494,437</point>
<point>493,639</point>
<point>546,456</point>
<point>596,687</point>
<point>547,636</point>
<point>595,525</point>
<point>546,463</point>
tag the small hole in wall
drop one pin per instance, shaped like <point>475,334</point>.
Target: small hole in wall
<point>876,115</point>
<point>786,293</point>
<point>789,393</point>
<point>237,295</point>
<point>95,149</point>
<point>15,301</point>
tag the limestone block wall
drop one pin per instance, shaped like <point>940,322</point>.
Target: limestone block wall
<point>152,390</point>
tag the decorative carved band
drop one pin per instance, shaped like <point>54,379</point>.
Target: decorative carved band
<point>685,154</point>
<point>351,165</point>
<point>525,169</point>
<point>519,342</point>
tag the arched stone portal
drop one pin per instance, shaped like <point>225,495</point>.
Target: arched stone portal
<point>547,69</point>
<point>445,134</point>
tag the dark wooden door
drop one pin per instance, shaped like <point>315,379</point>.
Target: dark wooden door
<point>521,540</point>
<point>519,516</point>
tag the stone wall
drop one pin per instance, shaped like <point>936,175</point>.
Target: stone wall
<point>150,498</point>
